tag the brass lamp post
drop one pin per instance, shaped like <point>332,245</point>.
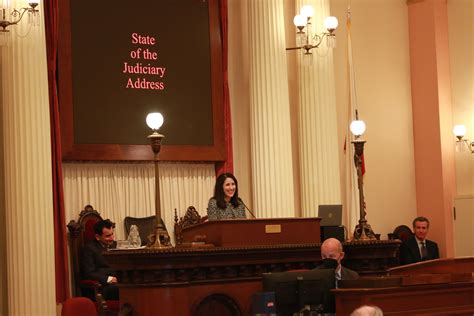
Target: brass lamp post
<point>160,237</point>
<point>362,231</point>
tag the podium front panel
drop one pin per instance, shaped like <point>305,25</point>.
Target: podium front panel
<point>256,232</point>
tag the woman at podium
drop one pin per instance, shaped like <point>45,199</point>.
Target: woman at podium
<point>225,204</point>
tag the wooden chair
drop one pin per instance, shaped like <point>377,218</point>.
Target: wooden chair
<point>81,232</point>
<point>146,226</point>
<point>190,218</point>
<point>402,232</point>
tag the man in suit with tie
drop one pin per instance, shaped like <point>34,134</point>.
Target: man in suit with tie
<point>418,248</point>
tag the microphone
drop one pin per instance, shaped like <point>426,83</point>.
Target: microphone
<point>240,200</point>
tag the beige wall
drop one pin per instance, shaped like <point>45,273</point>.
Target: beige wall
<point>381,59</point>
<point>382,70</point>
<point>383,84</point>
<point>461,44</point>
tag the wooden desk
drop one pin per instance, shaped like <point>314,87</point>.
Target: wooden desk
<point>435,287</point>
<point>432,299</point>
<point>443,265</point>
<point>179,281</point>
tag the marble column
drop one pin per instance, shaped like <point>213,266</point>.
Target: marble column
<point>271,151</point>
<point>27,172</point>
<point>318,135</point>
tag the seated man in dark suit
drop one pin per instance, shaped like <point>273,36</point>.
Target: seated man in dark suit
<point>418,248</point>
<point>93,264</point>
<point>332,255</point>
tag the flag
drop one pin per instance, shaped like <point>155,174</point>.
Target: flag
<point>352,193</point>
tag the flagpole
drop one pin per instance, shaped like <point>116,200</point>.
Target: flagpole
<point>362,231</point>
<point>350,179</point>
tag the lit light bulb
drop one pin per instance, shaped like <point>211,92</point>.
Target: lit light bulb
<point>307,11</point>
<point>154,120</point>
<point>459,130</point>
<point>300,20</point>
<point>357,128</point>
<point>331,23</point>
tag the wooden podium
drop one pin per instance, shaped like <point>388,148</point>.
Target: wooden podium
<point>435,287</point>
<point>256,232</point>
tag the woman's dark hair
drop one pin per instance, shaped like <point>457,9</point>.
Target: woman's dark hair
<point>219,191</point>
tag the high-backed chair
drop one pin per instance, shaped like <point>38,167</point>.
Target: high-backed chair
<point>81,232</point>
<point>190,218</point>
<point>146,226</point>
<point>402,232</point>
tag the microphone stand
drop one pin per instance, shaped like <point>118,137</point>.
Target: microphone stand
<point>253,215</point>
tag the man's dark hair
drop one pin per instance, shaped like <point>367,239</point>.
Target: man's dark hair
<point>420,219</point>
<point>100,225</point>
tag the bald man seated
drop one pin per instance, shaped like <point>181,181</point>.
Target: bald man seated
<point>367,310</point>
<point>332,255</point>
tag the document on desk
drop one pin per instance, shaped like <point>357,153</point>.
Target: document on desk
<point>126,248</point>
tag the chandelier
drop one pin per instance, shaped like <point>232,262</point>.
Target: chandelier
<point>306,40</point>
<point>7,19</point>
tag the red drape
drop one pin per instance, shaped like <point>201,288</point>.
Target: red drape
<point>60,237</point>
<point>228,165</point>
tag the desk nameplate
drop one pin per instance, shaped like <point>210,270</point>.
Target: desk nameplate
<point>272,229</point>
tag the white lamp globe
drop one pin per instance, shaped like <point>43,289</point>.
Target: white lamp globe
<point>307,11</point>
<point>154,120</point>
<point>357,127</point>
<point>299,20</point>
<point>459,130</point>
<point>331,23</point>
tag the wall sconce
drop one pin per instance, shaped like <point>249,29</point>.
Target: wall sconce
<point>16,16</point>
<point>363,231</point>
<point>305,39</point>
<point>160,237</point>
<point>461,143</point>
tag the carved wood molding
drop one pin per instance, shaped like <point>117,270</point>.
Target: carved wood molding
<point>214,274</point>
<point>190,218</point>
<point>180,266</point>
